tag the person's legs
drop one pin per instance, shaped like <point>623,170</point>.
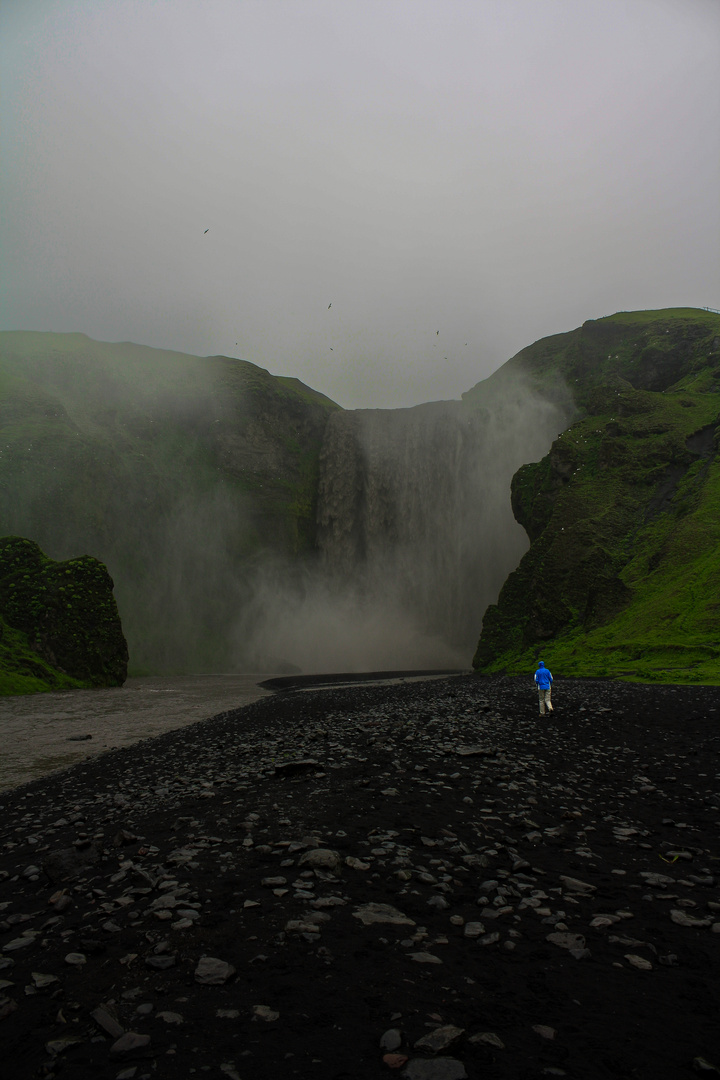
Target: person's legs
<point>548,702</point>
<point>541,696</point>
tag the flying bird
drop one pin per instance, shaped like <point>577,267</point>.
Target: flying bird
<point>329,306</point>
<point>206,231</point>
<point>437,333</point>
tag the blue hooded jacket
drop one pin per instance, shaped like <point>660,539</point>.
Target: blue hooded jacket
<point>542,676</point>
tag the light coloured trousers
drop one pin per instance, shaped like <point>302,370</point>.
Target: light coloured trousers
<point>544,696</point>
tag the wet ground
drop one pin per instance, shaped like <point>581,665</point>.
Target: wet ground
<point>43,732</point>
<point>424,880</point>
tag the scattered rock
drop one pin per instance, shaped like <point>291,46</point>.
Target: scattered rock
<point>439,1039</point>
<point>129,1042</point>
<point>264,1012</point>
<point>381,913</point>
<point>544,1031</point>
<point>391,1040</point>
<point>213,972</point>
<point>321,859</point>
<point>435,1069</point>
<point>488,1038</point>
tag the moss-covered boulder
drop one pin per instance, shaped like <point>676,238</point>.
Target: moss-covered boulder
<point>623,573</point>
<point>59,623</point>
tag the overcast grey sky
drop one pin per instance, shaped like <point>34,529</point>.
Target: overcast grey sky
<point>495,170</point>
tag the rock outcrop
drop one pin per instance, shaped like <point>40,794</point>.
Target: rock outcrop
<point>59,623</point>
<point>623,513</point>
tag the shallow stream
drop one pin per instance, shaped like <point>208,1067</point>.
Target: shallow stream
<point>43,732</point>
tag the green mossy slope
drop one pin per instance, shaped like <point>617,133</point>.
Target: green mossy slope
<point>178,472</point>
<point>623,574</point>
<point>59,623</point>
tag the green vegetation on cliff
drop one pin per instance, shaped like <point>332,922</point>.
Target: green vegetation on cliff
<point>178,472</point>
<point>59,623</point>
<point>623,574</point>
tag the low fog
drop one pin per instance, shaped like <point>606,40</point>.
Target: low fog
<point>386,200</point>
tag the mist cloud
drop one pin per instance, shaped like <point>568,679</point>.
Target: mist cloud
<point>496,172</point>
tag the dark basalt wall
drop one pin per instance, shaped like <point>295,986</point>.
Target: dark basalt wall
<point>60,623</point>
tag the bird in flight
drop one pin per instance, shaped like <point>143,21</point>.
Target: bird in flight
<point>329,306</point>
<point>206,231</point>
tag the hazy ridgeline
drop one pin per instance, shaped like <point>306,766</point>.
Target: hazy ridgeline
<point>250,524</point>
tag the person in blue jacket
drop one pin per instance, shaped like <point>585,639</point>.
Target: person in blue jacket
<point>543,679</point>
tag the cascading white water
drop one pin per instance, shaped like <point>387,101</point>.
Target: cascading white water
<point>415,533</point>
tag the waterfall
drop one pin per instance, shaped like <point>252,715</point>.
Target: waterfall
<point>414,514</point>
<point>415,534</point>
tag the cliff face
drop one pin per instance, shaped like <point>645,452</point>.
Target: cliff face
<point>59,623</point>
<point>178,472</point>
<point>623,513</point>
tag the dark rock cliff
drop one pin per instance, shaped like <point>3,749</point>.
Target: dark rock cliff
<point>59,623</point>
<point>623,513</point>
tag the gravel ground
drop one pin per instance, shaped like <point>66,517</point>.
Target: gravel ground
<point>426,880</point>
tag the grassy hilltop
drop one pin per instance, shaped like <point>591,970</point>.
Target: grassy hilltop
<point>176,471</point>
<point>623,574</point>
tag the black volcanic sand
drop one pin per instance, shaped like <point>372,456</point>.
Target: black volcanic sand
<point>456,805</point>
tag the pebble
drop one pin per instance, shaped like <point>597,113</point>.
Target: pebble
<point>510,823</point>
<point>213,972</point>
<point>381,913</point>
<point>439,1039</point>
<point>391,1040</point>
<point>425,958</point>
<point>76,959</point>
<point>638,962</point>
<point>544,1031</point>
<point>488,1038</point>
<point>128,1042</point>
<point>264,1012</point>
<point>435,1069</point>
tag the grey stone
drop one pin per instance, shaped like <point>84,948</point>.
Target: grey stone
<point>434,1069</point>
<point>264,1012</point>
<point>489,1038</point>
<point>321,859</point>
<point>381,913</point>
<point>161,963</point>
<point>391,1040</point>
<point>424,958</point>
<point>439,1039</point>
<point>575,885</point>
<point>213,972</point>
<point>128,1042</point>
<point>566,940</point>
<point>171,1017</point>
<point>107,1022</point>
